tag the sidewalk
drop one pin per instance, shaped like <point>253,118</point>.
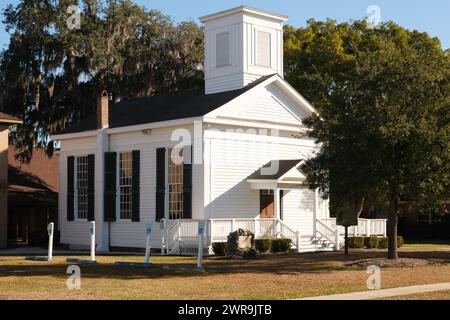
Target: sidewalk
<point>30,251</point>
<point>385,293</point>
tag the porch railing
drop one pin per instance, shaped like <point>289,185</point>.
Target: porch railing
<point>185,231</point>
<point>262,228</point>
<point>366,227</point>
<point>217,230</point>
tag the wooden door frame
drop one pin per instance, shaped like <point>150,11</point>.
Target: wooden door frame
<point>273,203</point>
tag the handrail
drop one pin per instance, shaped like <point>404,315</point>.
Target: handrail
<point>171,239</point>
<point>294,235</point>
<point>331,232</point>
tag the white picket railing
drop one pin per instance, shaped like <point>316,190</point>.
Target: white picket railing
<point>366,227</point>
<point>217,230</point>
<point>262,228</point>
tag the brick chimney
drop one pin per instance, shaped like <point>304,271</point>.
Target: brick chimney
<point>103,111</point>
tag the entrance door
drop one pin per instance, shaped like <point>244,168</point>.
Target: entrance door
<point>266,199</point>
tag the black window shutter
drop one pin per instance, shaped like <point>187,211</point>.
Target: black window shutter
<point>109,195</point>
<point>160,183</point>
<point>91,188</point>
<point>187,182</point>
<point>70,188</point>
<point>135,188</point>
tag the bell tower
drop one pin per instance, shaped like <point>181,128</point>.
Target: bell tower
<point>241,45</point>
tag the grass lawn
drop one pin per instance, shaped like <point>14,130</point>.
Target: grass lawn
<point>433,244</point>
<point>267,277</point>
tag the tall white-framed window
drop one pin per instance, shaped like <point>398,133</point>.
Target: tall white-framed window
<point>223,49</point>
<point>263,48</point>
<point>125,179</point>
<point>175,186</point>
<point>81,187</point>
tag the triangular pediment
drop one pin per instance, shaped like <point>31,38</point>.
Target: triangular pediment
<point>270,102</point>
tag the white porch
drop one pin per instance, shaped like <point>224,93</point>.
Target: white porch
<point>181,236</point>
<point>314,232</point>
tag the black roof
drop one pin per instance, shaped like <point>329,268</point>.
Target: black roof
<point>283,167</point>
<point>173,106</point>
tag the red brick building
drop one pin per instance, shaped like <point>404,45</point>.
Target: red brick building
<point>32,196</point>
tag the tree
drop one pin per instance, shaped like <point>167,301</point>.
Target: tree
<point>384,104</point>
<point>50,75</point>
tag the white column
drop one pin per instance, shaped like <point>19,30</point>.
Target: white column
<point>277,211</point>
<point>102,232</point>
<point>297,236</point>
<point>92,236</point>
<point>315,210</point>
<point>276,203</point>
<point>337,239</point>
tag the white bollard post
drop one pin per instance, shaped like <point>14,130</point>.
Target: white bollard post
<point>92,234</point>
<point>337,240</point>
<point>201,231</point>
<point>148,244</point>
<point>162,226</point>
<point>50,230</point>
<point>297,236</point>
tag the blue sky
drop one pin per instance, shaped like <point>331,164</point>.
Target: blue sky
<point>431,16</point>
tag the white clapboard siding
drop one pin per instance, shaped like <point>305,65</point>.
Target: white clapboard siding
<point>267,109</point>
<point>298,206</point>
<point>125,233</point>
<point>224,83</point>
<point>232,160</point>
<point>266,104</point>
<point>132,234</point>
<point>72,232</point>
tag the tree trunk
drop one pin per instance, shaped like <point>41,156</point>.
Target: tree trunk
<point>346,240</point>
<point>392,226</point>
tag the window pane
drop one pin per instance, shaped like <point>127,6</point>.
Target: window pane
<point>175,181</point>
<point>125,185</point>
<point>82,187</point>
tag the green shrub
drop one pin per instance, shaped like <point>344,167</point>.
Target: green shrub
<point>400,241</point>
<point>281,245</point>
<point>371,242</point>
<point>383,243</point>
<point>263,245</point>
<point>356,242</point>
<point>219,248</point>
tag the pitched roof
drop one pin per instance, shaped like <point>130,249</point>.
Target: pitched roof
<point>33,183</point>
<point>180,105</point>
<point>283,167</point>
<point>6,118</point>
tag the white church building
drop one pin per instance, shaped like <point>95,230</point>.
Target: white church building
<point>228,155</point>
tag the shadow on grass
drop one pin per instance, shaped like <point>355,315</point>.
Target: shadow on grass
<point>281,264</point>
